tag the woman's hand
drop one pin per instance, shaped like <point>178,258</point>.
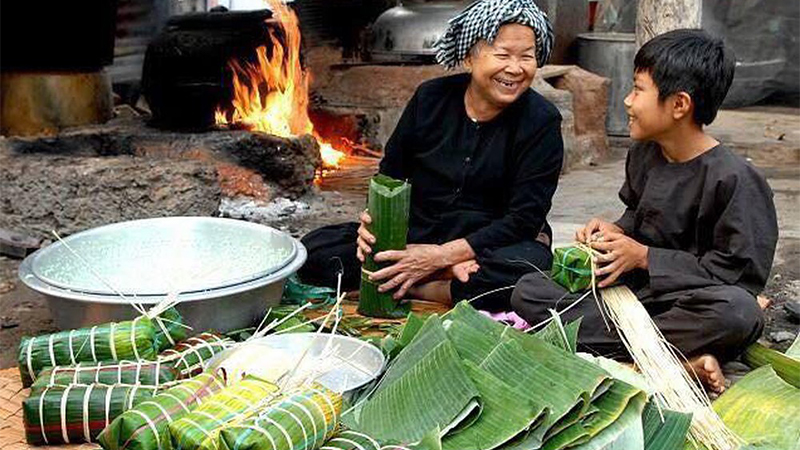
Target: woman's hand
<point>365,239</point>
<point>596,228</point>
<point>463,270</point>
<point>416,262</point>
<point>621,254</point>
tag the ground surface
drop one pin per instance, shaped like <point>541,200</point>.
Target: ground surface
<point>770,137</point>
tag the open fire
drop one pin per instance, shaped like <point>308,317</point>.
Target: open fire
<point>272,95</point>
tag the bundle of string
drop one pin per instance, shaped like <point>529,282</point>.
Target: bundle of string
<point>660,364</point>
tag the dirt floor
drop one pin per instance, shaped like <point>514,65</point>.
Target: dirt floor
<point>769,136</point>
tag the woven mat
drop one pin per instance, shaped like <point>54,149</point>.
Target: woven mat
<point>12,434</point>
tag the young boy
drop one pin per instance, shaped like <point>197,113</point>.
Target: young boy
<point>698,235</point>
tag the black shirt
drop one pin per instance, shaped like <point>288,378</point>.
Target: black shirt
<point>707,221</point>
<point>489,182</point>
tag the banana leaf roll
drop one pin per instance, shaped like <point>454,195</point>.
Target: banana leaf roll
<point>149,373</point>
<point>199,430</point>
<point>77,413</point>
<point>170,329</point>
<point>351,440</point>
<point>388,203</point>
<point>129,340</point>
<point>190,355</point>
<point>144,427</point>
<point>300,420</point>
<point>572,268</point>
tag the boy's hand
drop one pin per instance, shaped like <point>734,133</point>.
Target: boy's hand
<point>621,254</point>
<point>596,227</point>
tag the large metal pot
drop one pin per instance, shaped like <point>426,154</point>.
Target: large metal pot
<point>226,272</point>
<point>407,33</point>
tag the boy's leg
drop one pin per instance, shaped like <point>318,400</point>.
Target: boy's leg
<point>716,320</point>
<point>327,246</point>
<point>501,268</point>
<point>535,295</point>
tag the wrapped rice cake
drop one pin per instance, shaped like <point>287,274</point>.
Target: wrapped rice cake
<point>77,413</point>
<point>300,420</point>
<point>149,373</point>
<point>145,426</point>
<point>129,340</point>
<point>199,430</point>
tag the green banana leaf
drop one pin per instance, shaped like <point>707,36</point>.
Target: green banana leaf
<point>665,429</point>
<point>562,336</point>
<point>504,415</point>
<point>763,410</point>
<point>572,268</point>
<point>624,434</point>
<point>388,202</point>
<point>794,350</point>
<point>425,387</point>
<point>786,367</point>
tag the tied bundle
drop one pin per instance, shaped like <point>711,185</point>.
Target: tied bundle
<point>77,413</point>
<point>129,340</point>
<point>149,373</point>
<point>572,268</point>
<point>300,420</point>
<point>199,430</point>
<point>145,426</point>
<point>189,356</point>
<point>388,203</point>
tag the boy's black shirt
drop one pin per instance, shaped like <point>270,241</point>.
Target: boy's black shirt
<point>707,221</point>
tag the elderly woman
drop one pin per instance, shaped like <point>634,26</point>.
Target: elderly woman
<point>483,153</point>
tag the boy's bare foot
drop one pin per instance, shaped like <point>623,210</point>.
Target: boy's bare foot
<point>708,371</point>
<point>764,302</point>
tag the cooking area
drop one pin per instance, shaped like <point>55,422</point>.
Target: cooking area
<point>183,192</point>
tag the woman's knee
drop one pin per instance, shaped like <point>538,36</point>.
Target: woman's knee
<point>524,298</point>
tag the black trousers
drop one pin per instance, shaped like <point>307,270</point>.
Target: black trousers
<point>721,319</point>
<point>333,248</point>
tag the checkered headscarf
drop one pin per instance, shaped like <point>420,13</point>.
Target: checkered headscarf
<point>482,19</point>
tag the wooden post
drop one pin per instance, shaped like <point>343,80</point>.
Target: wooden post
<point>655,17</point>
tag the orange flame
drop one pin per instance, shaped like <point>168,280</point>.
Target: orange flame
<point>272,95</point>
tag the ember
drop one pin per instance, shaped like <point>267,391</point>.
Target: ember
<point>272,95</point>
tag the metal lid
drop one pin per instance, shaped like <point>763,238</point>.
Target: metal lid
<point>160,256</point>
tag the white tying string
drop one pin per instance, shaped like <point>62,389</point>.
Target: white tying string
<point>176,399</point>
<point>364,436</point>
<point>283,431</point>
<point>87,435</point>
<point>132,395</point>
<point>150,424</point>
<point>308,414</point>
<point>196,425</point>
<point>91,343</point>
<point>111,343</point>
<point>133,339</point>
<point>266,433</point>
<point>41,414</point>
<point>348,442</point>
<point>109,390</point>
<point>52,353</point>
<point>139,372</point>
<point>63,410</point>
<point>69,345</point>
<point>29,359</point>
<point>158,373</point>
<point>299,422</point>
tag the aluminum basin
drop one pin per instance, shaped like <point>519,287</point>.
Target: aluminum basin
<point>225,272</point>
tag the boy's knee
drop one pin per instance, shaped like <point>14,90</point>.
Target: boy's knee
<point>523,298</point>
<point>740,320</point>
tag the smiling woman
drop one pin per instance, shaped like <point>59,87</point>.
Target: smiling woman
<point>482,152</point>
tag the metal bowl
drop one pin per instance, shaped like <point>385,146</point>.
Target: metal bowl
<point>357,362</point>
<point>225,272</point>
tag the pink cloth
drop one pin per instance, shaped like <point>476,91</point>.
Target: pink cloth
<point>509,318</point>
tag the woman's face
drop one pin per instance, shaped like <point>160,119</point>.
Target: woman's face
<point>502,71</point>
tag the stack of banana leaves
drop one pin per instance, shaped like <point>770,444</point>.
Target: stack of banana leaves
<point>763,408</point>
<point>477,384</point>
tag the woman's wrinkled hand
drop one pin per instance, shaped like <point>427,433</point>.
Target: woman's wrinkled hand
<point>415,263</point>
<point>596,229</point>
<point>620,254</point>
<point>365,239</point>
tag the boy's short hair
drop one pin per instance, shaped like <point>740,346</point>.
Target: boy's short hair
<point>691,61</point>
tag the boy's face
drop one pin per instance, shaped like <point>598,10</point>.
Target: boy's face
<point>648,118</point>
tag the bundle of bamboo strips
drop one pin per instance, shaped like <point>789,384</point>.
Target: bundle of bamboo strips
<point>674,388</point>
